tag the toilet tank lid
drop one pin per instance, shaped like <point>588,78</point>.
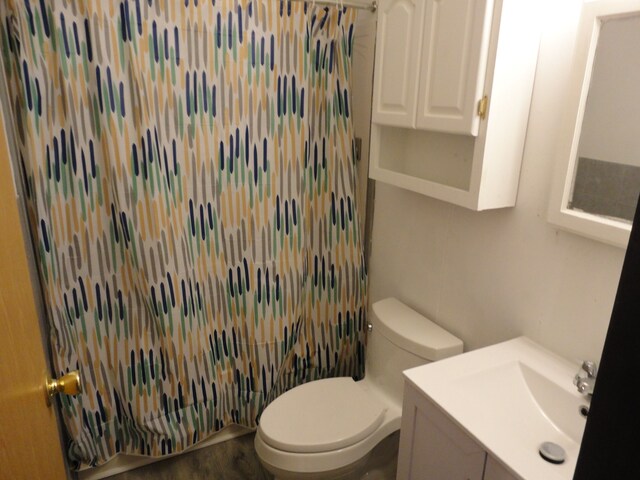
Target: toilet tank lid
<point>414,332</point>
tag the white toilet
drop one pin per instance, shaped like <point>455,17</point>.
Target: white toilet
<point>326,429</point>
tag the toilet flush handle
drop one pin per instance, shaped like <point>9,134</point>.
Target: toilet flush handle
<point>369,327</point>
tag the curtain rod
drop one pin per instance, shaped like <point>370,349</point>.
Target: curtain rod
<point>373,6</point>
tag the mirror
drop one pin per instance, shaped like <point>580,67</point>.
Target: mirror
<point>598,178</point>
<point>606,179</point>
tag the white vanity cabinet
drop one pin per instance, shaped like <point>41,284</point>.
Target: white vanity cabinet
<point>493,470</point>
<point>433,447</point>
<point>452,89</point>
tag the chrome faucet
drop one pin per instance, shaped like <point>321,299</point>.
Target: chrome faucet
<point>586,383</point>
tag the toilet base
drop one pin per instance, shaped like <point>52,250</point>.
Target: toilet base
<point>379,464</point>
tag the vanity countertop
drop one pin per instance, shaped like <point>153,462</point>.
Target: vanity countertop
<point>510,397</point>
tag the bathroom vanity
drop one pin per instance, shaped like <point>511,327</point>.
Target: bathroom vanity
<point>436,448</point>
<point>483,415</point>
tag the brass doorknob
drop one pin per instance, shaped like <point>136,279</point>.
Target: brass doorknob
<point>68,384</point>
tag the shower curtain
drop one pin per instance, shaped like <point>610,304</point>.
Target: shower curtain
<point>188,174</point>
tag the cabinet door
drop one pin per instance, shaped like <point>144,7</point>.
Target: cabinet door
<point>495,471</point>
<point>432,447</point>
<point>397,59</point>
<point>455,44</point>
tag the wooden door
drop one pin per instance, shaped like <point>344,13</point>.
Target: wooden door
<point>397,62</point>
<point>455,44</point>
<point>29,438</point>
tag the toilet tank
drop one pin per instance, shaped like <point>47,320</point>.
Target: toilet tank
<point>401,338</point>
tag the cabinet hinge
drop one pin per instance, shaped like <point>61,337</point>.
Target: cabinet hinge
<point>358,149</point>
<point>483,105</point>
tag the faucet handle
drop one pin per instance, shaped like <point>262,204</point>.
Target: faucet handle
<point>577,378</point>
<point>585,384</point>
<point>589,367</point>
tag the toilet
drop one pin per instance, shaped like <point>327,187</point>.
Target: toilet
<point>326,429</point>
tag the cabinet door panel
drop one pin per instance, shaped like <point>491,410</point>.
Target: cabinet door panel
<point>437,455</point>
<point>495,471</point>
<point>397,60</point>
<point>454,56</point>
<point>432,447</point>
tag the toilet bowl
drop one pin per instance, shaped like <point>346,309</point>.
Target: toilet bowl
<point>326,429</point>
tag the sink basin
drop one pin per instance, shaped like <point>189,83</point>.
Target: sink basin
<point>510,398</point>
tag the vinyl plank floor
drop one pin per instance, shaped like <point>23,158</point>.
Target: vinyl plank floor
<point>234,459</point>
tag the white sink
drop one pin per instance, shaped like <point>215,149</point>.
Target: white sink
<point>510,398</point>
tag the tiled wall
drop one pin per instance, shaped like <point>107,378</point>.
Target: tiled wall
<point>606,188</point>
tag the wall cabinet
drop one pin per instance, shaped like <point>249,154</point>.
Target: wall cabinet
<point>452,88</point>
<point>433,447</point>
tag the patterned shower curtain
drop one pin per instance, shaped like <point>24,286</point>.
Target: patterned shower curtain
<point>188,174</point>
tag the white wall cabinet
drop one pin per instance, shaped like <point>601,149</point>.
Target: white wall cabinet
<point>433,447</point>
<point>431,63</point>
<point>436,60</point>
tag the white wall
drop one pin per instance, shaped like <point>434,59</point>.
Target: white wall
<point>492,276</point>
<point>611,125</point>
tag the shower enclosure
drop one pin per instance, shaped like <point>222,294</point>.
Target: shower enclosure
<point>188,176</point>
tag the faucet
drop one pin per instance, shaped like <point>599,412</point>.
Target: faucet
<point>585,384</point>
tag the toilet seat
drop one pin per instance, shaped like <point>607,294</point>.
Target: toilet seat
<point>321,416</point>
